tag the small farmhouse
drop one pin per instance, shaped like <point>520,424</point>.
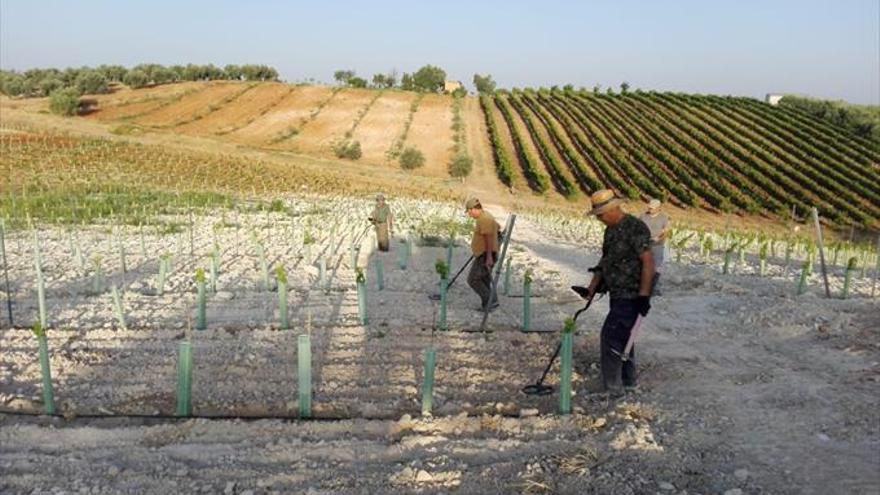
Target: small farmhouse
<point>773,99</point>
<point>450,86</point>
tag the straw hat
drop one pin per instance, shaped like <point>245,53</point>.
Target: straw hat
<point>380,197</point>
<point>654,204</point>
<point>602,201</point>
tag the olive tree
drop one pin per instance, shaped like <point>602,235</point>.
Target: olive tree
<point>484,84</point>
<point>136,79</point>
<point>411,158</point>
<point>429,78</point>
<point>90,82</point>
<point>64,102</point>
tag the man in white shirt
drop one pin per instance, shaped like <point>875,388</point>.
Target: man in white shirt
<point>658,224</point>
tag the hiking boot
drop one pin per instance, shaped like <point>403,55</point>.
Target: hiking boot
<point>631,388</point>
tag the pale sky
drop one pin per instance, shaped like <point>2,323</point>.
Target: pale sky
<point>828,49</point>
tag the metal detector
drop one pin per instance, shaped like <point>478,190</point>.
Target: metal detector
<point>538,388</point>
<point>436,297</point>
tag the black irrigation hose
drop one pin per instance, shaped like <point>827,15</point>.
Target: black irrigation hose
<point>219,417</point>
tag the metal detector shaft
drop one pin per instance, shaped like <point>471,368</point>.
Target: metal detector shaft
<point>493,288</point>
<point>468,262</point>
<point>539,384</point>
<point>550,364</point>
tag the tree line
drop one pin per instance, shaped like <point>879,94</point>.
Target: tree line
<point>97,80</point>
<point>428,79</point>
<point>861,120</point>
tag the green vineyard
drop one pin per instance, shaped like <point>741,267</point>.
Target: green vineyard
<point>722,154</point>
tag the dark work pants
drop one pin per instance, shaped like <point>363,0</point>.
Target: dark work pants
<point>480,279</point>
<point>615,334</point>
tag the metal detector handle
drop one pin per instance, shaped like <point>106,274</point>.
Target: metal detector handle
<point>586,307</point>
<point>468,262</point>
<point>559,345</point>
<point>632,338</point>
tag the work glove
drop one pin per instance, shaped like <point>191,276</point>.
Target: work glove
<point>643,305</point>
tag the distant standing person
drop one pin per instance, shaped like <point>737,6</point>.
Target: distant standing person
<point>383,220</point>
<point>658,224</point>
<point>627,270</point>
<point>484,247</point>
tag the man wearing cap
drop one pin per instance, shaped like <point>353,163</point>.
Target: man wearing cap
<point>627,270</point>
<point>658,224</point>
<point>484,247</point>
<point>383,220</point>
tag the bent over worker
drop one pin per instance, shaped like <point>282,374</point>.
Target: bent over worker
<point>627,271</point>
<point>484,247</point>
<point>383,220</point>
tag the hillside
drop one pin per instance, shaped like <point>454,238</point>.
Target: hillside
<point>701,153</point>
<point>301,119</point>
<point>715,153</point>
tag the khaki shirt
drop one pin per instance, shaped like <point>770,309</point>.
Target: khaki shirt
<point>381,213</point>
<point>485,226</point>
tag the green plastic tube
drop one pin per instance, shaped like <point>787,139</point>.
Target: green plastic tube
<point>850,268</point>
<point>163,272</point>
<point>428,385</point>
<point>565,373</point>
<point>527,306</point>
<point>143,244</point>
<point>402,256</point>
<point>450,246</point>
<point>380,273</point>
<point>184,379</point>
<point>802,282</point>
<point>117,307</point>
<point>264,267</point>
<point>215,267</point>
<point>362,302</point>
<point>282,306</point>
<point>201,322</point>
<point>304,375</point>
<point>122,264</point>
<point>46,371</point>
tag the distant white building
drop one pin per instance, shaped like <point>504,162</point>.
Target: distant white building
<point>773,99</point>
<point>450,86</point>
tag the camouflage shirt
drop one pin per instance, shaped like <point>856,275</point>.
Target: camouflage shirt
<point>621,266</point>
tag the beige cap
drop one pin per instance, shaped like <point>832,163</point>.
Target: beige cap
<point>380,196</point>
<point>602,201</point>
<point>654,204</point>
<point>472,203</point>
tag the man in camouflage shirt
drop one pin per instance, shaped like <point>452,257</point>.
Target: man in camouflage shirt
<point>626,269</point>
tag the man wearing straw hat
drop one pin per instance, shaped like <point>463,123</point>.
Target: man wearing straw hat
<point>658,224</point>
<point>626,269</point>
<point>383,220</point>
